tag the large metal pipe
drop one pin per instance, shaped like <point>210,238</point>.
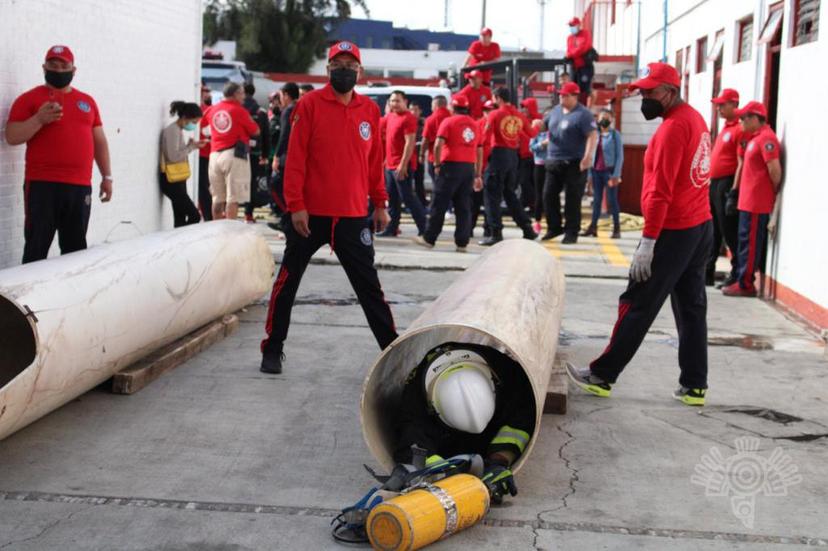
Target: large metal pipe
<point>67,324</point>
<point>510,300</point>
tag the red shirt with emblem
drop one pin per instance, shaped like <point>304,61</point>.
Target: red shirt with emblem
<point>432,124</point>
<point>61,151</point>
<point>505,125</point>
<point>675,192</point>
<point>756,191</point>
<point>229,123</point>
<point>577,45</point>
<point>334,158</point>
<point>484,54</point>
<point>461,135</point>
<point>723,160</point>
<point>397,126</point>
<point>477,97</point>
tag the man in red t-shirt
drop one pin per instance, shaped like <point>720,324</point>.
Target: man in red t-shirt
<point>400,140</point>
<point>61,127</point>
<point>504,127</point>
<point>759,179</point>
<point>578,45</point>
<point>333,166</point>
<point>483,50</point>
<point>457,167</point>
<point>439,112</point>
<point>671,258</point>
<point>723,163</point>
<point>231,128</point>
<point>205,200</point>
<point>476,93</point>
<point>526,161</point>
<point>485,151</point>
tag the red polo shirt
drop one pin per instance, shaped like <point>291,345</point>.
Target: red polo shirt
<point>756,192</point>
<point>477,97</point>
<point>334,158</point>
<point>61,151</point>
<point>505,125</point>
<point>397,126</point>
<point>229,123</point>
<point>675,192</point>
<point>461,135</point>
<point>432,124</point>
<point>723,160</point>
<point>484,54</point>
<point>577,45</point>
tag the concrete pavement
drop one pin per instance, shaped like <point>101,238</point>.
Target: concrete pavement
<point>216,455</point>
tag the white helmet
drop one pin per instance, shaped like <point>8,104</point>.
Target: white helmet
<point>460,388</point>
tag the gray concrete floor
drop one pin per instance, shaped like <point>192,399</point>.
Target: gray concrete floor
<point>217,456</point>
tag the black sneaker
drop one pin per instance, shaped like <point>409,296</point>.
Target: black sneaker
<point>272,362</point>
<point>569,239</point>
<point>529,233</point>
<point>491,240</point>
<point>690,396</point>
<point>584,379</point>
<point>551,235</point>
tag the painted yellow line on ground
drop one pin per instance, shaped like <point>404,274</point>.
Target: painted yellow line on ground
<point>556,250</point>
<point>612,253</point>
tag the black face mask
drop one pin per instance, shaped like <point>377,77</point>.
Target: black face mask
<point>59,79</point>
<point>604,124</point>
<point>651,108</point>
<point>343,80</point>
<point>208,101</point>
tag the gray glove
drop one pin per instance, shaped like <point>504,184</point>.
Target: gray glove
<point>641,268</point>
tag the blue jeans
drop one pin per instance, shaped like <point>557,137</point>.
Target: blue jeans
<point>600,182</point>
<point>401,192</point>
<point>753,237</point>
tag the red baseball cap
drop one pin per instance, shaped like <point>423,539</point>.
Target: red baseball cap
<point>458,100</point>
<point>574,22</point>
<point>655,74</point>
<point>569,89</point>
<point>551,89</point>
<point>344,47</point>
<point>728,94</point>
<point>753,108</point>
<point>485,31</point>
<point>489,105</point>
<point>60,52</point>
<point>474,74</point>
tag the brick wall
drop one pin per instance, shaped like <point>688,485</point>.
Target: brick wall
<point>134,57</point>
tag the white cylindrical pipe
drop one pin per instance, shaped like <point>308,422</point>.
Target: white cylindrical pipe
<point>69,323</point>
<point>510,300</point>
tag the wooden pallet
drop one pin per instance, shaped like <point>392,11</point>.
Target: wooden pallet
<point>143,372</point>
<point>557,390</point>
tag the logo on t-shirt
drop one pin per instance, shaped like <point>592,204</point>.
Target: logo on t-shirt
<point>750,146</point>
<point>468,135</point>
<point>85,107</point>
<point>769,146</point>
<point>700,168</point>
<point>726,137</point>
<point>510,127</point>
<point>365,130</point>
<point>365,237</point>
<point>564,124</point>
<point>222,121</point>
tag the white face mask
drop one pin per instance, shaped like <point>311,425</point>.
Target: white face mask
<point>573,29</point>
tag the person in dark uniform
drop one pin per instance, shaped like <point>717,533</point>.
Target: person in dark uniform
<point>333,166</point>
<point>467,399</point>
<point>61,127</point>
<point>290,95</point>
<point>723,164</point>
<point>485,150</point>
<point>418,164</point>
<point>205,200</point>
<point>503,129</point>
<point>671,258</point>
<point>457,168</point>
<point>259,147</point>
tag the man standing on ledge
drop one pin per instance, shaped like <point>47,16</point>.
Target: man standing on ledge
<point>334,164</point>
<point>61,127</point>
<point>672,256</point>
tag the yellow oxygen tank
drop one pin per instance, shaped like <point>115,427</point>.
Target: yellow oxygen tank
<point>428,513</point>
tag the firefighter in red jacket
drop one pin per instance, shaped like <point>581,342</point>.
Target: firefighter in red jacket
<point>578,45</point>
<point>671,258</point>
<point>758,179</point>
<point>483,51</point>
<point>334,164</point>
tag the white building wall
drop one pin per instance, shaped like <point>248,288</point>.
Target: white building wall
<point>798,259</point>
<point>134,58</point>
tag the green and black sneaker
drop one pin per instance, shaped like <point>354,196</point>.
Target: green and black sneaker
<point>690,396</point>
<point>587,381</point>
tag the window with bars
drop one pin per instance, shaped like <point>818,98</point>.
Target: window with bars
<point>701,54</point>
<point>679,61</point>
<point>806,21</point>
<point>745,37</point>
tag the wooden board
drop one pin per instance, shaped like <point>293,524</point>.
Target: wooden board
<point>556,392</point>
<point>140,374</point>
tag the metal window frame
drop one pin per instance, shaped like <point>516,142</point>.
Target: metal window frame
<point>813,36</point>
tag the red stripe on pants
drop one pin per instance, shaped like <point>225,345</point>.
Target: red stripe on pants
<point>750,266</point>
<point>623,309</point>
<point>277,289</point>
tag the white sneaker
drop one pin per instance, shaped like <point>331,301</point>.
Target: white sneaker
<point>460,249</point>
<point>420,240</point>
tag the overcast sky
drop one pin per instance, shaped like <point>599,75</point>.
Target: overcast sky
<point>515,23</point>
